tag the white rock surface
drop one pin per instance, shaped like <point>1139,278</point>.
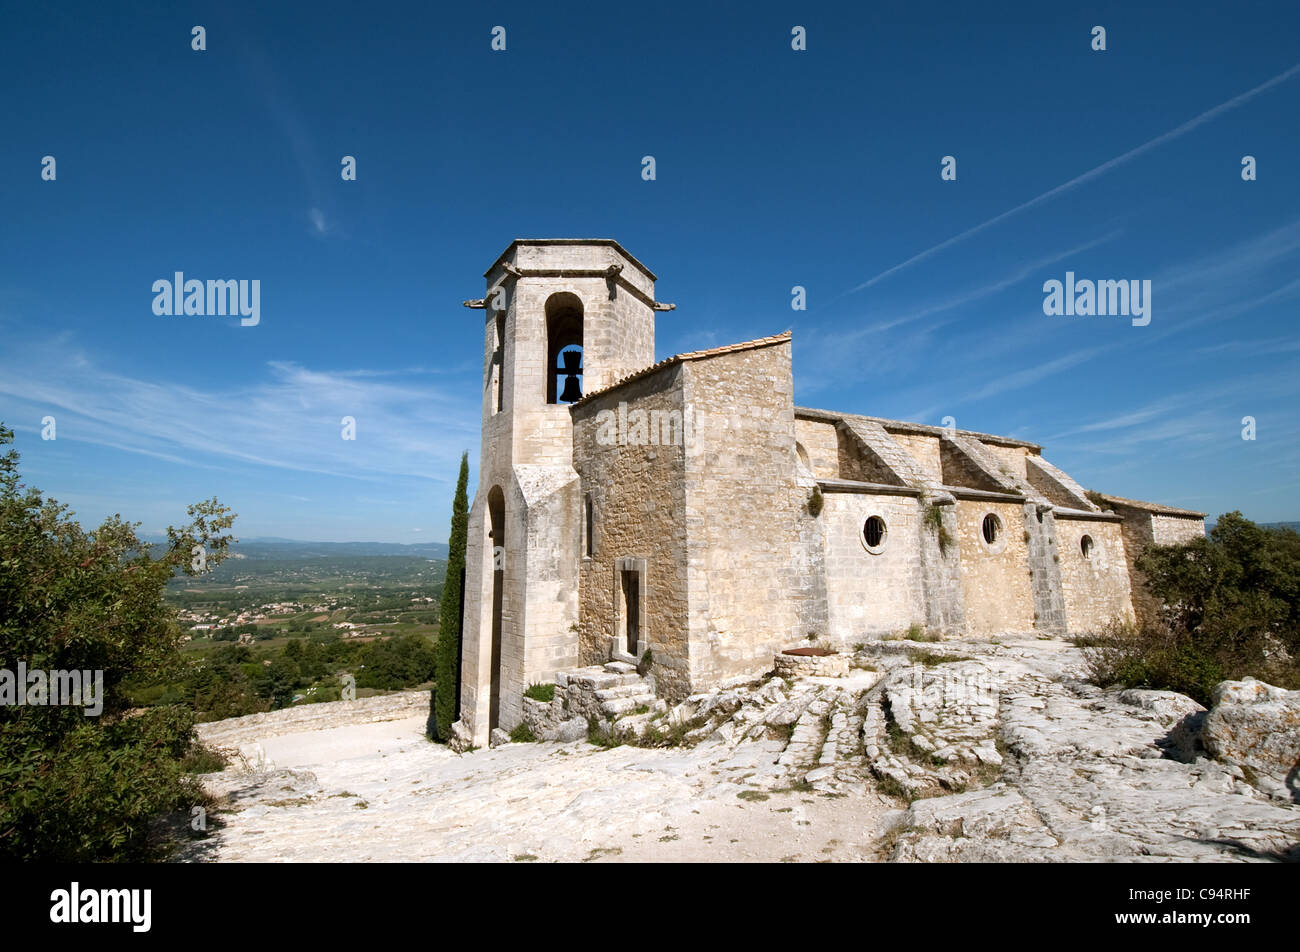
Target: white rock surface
<point>1029,763</point>
<point>1256,726</point>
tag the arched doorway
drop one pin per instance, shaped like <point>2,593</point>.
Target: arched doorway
<point>497,541</point>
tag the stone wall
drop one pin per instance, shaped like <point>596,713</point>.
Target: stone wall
<point>1045,570</point>
<point>1012,457</point>
<point>943,594</point>
<point>960,470</point>
<point>539,592</point>
<point>549,544</point>
<point>820,440</point>
<point>638,500</point>
<point>870,594</point>
<point>1141,528</point>
<point>744,507</point>
<point>997,589</point>
<point>1096,588</point>
<point>924,450</point>
<point>859,462</point>
<point>1046,479</point>
<point>790,666</point>
<point>1175,530</point>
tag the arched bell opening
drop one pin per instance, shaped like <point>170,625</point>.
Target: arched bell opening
<point>563,348</point>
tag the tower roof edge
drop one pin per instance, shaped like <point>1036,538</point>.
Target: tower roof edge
<point>605,242</point>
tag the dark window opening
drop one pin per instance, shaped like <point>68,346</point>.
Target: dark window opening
<point>589,521</point>
<point>1085,546</point>
<point>499,360</point>
<point>991,528</point>
<point>632,605</point>
<point>874,531</point>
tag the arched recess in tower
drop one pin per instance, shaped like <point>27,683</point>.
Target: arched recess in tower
<point>497,538</point>
<point>563,347</point>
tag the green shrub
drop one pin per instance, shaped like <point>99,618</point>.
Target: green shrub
<point>1097,499</point>
<point>541,692</point>
<point>917,632</point>
<point>930,659</point>
<point>447,650</point>
<point>600,734</point>
<point>1231,609</point>
<point>201,759</point>
<point>934,519</point>
<point>522,734</point>
<point>1151,658</point>
<point>75,788</point>
<point>94,794</point>
<point>816,502</point>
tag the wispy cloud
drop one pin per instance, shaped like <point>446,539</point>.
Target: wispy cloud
<point>319,225</point>
<point>1201,416</point>
<point>289,419</point>
<point>289,118</point>
<point>1253,348</point>
<point>829,351</point>
<point>1005,383</point>
<point>1087,176</point>
<point>971,295</point>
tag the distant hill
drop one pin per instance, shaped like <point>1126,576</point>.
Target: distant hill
<point>1293,526</point>
<point>270,547</point>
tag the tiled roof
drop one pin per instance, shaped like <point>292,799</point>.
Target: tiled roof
<point>682,358</point>
<point>1151,506</point>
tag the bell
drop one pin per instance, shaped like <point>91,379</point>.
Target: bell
<point>572,361</point>
<point>572,390</point>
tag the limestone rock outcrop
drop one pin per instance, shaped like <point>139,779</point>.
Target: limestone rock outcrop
<point>1256,726</point>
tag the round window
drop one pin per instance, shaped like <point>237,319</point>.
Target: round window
<point>991,533</point>
<point>991,528</point>
<point>1085,546</point>
<point>874,532</point>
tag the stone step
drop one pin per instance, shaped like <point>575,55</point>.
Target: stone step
<point>843,744</point>
<point>620,667</point>
<point>597,681</point>
<point>831,746</point>
<point>624,690</point>
<point>807,738</point>
<point>625,705</point>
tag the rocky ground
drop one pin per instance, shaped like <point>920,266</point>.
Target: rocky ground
<point>948,751</point>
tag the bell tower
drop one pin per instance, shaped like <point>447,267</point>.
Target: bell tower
<point>562,317</point>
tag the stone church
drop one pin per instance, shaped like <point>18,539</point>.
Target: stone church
<point>687,516</point>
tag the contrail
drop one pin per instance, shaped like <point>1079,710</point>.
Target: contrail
<point>1088,176</point>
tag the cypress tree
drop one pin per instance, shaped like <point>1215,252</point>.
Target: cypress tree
<point>449,620</point>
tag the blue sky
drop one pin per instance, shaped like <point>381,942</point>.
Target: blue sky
<point>775,168</point>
